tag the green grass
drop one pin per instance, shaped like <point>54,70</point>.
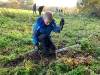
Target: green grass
<point>16,39</point>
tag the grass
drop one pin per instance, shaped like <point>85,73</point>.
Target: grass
<point>16,39</point>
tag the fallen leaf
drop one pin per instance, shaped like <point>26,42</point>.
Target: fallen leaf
<point>51,71</point>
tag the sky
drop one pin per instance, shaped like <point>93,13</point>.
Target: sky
<point>63,3</point>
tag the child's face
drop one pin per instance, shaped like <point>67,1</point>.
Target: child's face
<point>47,21</point>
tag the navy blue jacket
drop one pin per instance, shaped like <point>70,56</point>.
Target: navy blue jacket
<point>40,28</point>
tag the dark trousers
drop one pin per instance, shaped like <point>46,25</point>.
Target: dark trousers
<point>40,12</point>
<point>34,11</point>
<point>46,43</point>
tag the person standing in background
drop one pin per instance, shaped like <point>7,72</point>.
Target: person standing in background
<point>40,9</point>
<point>56,9</point>
<point>34,8</point>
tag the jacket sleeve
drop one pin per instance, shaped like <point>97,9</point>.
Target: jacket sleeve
<point>35,34</point>
<point>55,28</point>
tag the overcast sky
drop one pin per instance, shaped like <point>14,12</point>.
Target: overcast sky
<point>64,3</point>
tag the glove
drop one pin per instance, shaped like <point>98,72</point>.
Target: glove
<point>36,48</point>
<point>61,23</point>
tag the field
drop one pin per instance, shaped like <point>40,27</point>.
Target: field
<point>16,40</point>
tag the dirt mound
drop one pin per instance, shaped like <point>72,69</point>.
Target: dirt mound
<point>34,56</point>
<point>73,52</point>
<point>15,62</point>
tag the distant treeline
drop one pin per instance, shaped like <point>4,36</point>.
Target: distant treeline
<point>28,5</point>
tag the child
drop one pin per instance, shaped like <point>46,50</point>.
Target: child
<point>42,30</point>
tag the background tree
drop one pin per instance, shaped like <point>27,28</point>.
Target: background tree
<point>29,4</point>
<point>23,4</point>
<point>2,4</point>
<point>89,7</point>
<point>12,4</point>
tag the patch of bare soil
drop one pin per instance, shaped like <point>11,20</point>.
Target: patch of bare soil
<point>36,57</point>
